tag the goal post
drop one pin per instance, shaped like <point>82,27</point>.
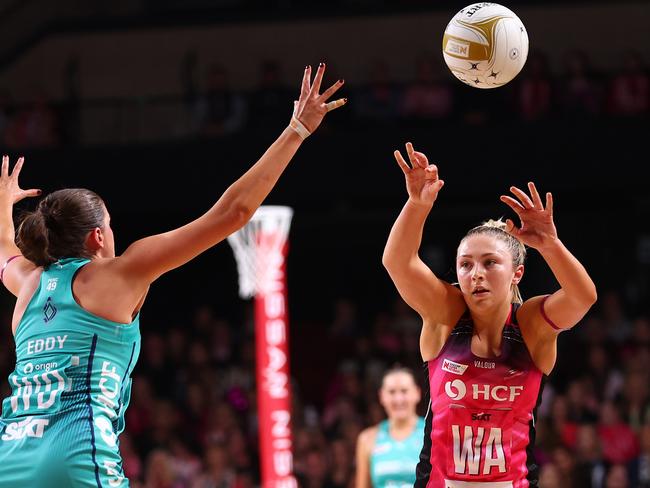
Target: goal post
<point>260,249</point>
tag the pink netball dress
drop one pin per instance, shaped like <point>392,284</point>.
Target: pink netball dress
<point>480,426</point>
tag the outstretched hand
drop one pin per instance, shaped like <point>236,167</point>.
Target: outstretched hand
<point>422,182</point>
<point>537,228</point>
<point>311,107</point>
<point>10,191</point>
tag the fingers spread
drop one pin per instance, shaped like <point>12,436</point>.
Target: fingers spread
<point>18,167</point>
<point>416,157</point>
<point>306,85</point>
<point>409,149</point>
<point>413,158</point>
<point>402,164</point>
<point>512,203</point>
<point>525,200</point>
<point>549,203</point>
<point>315,87</point>
<point>331,90</point>
<point>536,199</point>
<point>33,192</point>
<point>336,104</point>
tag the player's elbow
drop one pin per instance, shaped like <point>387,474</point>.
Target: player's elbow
<point>588,294</point>
<point>396,260</point>
<point>388,260</point>
<point>239,215</point>
<point>385,260</point>
<point>585,299</point>
<point>591,295</point>
<point>232,216</point>
<point>235,208</point>
<point>391,256</point>
<point>240,211</point>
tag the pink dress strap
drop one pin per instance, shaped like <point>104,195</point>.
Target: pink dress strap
<point>4,266</point>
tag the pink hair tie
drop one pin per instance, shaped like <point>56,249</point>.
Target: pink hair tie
<point>4,266</point>
<point>548,320</point>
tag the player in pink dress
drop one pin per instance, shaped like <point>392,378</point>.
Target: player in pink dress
<point>486,351</point>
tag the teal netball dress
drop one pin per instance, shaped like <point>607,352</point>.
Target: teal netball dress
<point>69,391</point>
<point>393,462</point>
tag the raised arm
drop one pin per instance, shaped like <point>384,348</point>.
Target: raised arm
<point>436,301</point>
<point>13,267</point>
<point>147,259</point>
<point>547,315</point>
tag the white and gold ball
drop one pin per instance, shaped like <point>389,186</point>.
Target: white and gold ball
<point>485,45</point>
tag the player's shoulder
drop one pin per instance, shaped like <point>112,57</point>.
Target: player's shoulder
<point>528,315</point>
<point>29,285</point>
<point>98,268</point>
<point>368,435</point>
<point>450,310</point>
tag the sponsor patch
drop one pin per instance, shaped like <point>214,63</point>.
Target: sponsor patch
<point>452,367</point>
<point>29,427</point>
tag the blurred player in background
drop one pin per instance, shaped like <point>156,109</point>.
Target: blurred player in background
<point>487,352</point>
<point>387,453</point>
<point>76,320</point>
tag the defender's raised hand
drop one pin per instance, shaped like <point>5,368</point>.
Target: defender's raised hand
<point>310,109</point>
<point>422,182</point>
<point>10,190</point>
<point>537,228</point>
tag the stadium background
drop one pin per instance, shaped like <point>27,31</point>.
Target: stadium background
<point>159,106</point>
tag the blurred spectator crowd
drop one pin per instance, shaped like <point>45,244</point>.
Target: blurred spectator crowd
<point>213,108</point>
<point>192,418</point>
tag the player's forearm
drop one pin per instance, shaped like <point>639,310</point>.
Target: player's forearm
<point>249,191</point>
<point>570,273</point>
<point>7,231</point>
<point>406,234</point>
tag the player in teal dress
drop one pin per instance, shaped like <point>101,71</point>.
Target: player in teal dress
<point>76,319</point>
<point>388,453</point>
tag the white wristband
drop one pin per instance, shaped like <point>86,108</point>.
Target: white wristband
<point>296,125</point>
<point>300,129</point>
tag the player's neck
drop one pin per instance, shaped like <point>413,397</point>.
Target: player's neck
<point>402,424</point>
<point>489,323</point>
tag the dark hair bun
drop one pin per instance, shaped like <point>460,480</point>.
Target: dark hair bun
<point>32,239</point>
